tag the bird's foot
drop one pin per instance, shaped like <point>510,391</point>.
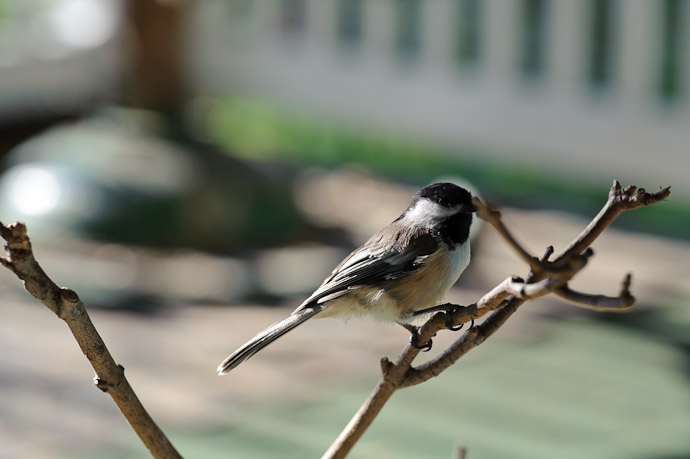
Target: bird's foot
<point>448,309</point>
<point>414,338</point>
<point>447,322</point>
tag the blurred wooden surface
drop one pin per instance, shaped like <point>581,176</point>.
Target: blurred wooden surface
<point>555,382</point>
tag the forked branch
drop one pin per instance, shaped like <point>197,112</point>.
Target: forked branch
<point>66,304</point>
<point>501,302</point>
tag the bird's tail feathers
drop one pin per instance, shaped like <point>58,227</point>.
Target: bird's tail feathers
<point>267,336</point>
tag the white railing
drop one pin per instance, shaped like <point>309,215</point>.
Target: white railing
<point>559,120</point>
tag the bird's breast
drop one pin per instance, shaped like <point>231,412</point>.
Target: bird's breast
<point>428,286</point>
<point>396,300</point>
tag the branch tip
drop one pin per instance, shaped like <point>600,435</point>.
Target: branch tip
<point>663,192</point>
<point>460,452</point>
<point>632,197</point>
<point>5,232</point>
<point>386,366</point>
<point>102,384</point>
<point>547,253</point>
<point>625,286</point>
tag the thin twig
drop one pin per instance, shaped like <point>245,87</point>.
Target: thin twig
<point>619,200</point>
<point>622,302</point>
<point>66,304</point>
<point>460,453</point>
<point>493,217</point>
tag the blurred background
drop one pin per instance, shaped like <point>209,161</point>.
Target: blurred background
<point>195,169</point>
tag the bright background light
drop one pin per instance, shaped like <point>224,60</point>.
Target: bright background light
<point>33,190</point>
<point>84,24</point>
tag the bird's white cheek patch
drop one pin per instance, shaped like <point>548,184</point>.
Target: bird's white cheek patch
<point>427,213</point>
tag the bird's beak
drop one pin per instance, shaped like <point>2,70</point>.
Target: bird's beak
<point>470,208</point>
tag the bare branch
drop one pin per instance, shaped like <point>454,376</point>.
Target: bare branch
<point>547,253</point>
<point>521,290</point>
<point>66,304</point>
<point>618,201</point>
<point>468,341</point>
<point>495,297</point>
<point>493,217</point>
<point>513,288</point>
<point>545,277</point>
<point>460,452</point>
<point>550,277</point>
<point>518,292</point>
<point>361,420</point>
<point>622,302</point>
<point>392,375</point>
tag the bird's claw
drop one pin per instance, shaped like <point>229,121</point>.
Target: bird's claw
<point>414,340</point>
<point>424,348</point>
<point>448,309</point>
<point>449,324</point>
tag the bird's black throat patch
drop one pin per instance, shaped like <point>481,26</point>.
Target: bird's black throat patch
<point>455,230</point>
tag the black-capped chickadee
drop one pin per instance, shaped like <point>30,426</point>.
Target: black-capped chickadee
<point>402,271</point>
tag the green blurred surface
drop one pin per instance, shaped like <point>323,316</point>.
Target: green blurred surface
<point>256,130</point>
<point>587,388</point>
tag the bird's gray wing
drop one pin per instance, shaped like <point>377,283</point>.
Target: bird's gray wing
<point>372,264</point>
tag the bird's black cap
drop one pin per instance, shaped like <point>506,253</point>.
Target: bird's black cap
<point>447,195</point>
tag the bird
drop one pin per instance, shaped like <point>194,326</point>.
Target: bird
<point>400,273</point>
